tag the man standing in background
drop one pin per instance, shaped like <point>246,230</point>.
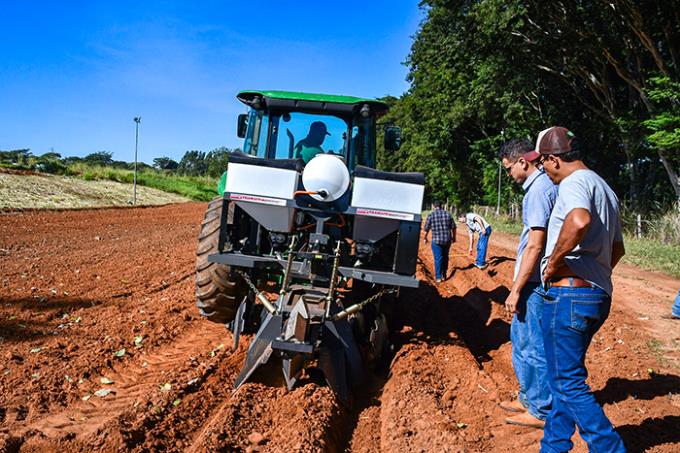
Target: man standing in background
<point>526,295</point>
<point>584,244</point>
<point>443,234</point>
<point>477,224</point>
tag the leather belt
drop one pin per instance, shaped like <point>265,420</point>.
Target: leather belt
<point>570,282</point>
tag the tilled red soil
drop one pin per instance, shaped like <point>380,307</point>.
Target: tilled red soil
<point>80,287</point>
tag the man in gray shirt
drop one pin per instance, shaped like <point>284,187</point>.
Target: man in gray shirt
<point>584,244</point>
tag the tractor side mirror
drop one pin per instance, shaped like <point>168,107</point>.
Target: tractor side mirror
<point>242,126</point>
<point>392,138</point>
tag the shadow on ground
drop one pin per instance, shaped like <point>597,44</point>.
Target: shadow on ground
<point>620,389</point>
<point>651,432</point>
<point>433,318</point>
<point>26,319</point>
<point>39,303</point>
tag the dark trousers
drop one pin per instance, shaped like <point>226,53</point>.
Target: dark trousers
<point>441,259</point>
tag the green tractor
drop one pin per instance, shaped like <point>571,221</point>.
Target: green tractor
<point>308,244</point>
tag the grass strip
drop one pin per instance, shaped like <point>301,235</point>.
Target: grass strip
<point>198,188</point>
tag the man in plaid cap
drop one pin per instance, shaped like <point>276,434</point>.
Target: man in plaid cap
<point>584,243</point>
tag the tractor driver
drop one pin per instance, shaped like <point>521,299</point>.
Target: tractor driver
<point>310,146</point>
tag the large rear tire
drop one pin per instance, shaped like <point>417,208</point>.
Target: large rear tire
<point>219,291</point>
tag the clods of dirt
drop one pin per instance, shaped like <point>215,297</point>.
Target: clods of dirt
<point>79,287</point>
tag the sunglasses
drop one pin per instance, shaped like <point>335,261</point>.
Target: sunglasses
<point>508,169</point>
<point>543,158</point>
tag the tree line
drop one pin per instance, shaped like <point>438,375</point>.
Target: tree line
<point>193,163</point>
<point>482,72</point>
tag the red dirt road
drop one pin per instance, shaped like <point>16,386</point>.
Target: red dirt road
<point>78,287</point>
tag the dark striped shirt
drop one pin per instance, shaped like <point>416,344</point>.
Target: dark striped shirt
<point>441,223</point>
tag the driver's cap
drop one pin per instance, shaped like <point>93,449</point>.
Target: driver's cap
<point>319,126</point>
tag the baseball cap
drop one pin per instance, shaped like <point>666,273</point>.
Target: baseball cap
<point>554,140</point>
<point>319,126</point>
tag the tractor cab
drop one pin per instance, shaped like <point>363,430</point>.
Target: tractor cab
<point>290,125</point>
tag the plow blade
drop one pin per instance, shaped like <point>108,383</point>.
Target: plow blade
<point>261,348</point>
<point>338,356</point>
<point>239,321</point>
<point>339,359</point>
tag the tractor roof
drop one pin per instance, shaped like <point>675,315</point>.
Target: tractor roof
<point>311,101</point>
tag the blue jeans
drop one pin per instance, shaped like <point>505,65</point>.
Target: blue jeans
<point>482,245</point>
<point>528,353</point>
<point>440,252</point>
<point>571,316</point>
<point>676,306</point>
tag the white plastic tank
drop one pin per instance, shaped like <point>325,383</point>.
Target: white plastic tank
<point>326,174</point>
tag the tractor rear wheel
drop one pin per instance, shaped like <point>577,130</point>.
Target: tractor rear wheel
<point>219,290</point>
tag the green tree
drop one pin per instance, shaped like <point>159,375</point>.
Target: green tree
<point>70,160</point>
<point>49,163</point>
<point>165,163</point>
<point>465,90</point>
<point>102,158</point>
<point>16,156</point>
<point>664,125</point>
<point>216,161</point>
<point>51,156</point>
<point>192,163</point>
<point>487,70</point>
<point>605,51</point>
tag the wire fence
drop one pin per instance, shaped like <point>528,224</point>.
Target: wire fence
<point>664,226</point>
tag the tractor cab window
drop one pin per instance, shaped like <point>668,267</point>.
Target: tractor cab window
<point>255,142</point>
<point>303,135</point>
<point>361,143</point>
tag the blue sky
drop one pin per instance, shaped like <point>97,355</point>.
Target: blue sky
<point>74,74</point>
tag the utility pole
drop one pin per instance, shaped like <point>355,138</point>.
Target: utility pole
<point>137,120</point>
